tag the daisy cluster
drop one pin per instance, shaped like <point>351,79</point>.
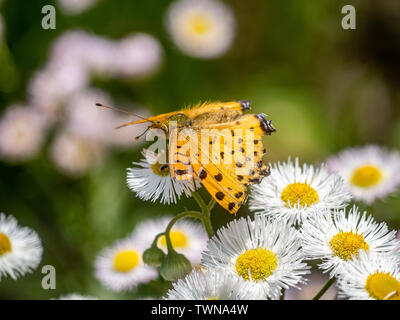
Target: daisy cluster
<point>60,94</point>
<point>301,215</point>
<point>120,267</point>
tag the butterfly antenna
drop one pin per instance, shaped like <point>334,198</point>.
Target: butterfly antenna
<point>139,136</point>
<point>119,110</point>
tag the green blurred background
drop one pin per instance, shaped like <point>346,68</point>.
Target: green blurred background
<point>324,88</point>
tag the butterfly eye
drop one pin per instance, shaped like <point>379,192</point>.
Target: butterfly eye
<point>164,168</point>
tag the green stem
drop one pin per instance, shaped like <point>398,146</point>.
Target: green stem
<point>207,225</point>
<point>196,195</point>
<point>324,289</point>
<point>211,204</point>
<point>194,214</point>
<point>206,212</point>
<point>154,244</point>
<point>282,294</point>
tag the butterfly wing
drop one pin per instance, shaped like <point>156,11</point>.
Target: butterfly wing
<point>219,182</point>
<point>227,170</point>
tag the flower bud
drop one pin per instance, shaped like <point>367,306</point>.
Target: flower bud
<point>153,256</point>
<point>175,266</point>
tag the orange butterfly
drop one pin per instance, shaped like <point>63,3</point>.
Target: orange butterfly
<point>226,161</point>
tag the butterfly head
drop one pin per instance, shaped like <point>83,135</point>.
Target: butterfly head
<point>164,121</point>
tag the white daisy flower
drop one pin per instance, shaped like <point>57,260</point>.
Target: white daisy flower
<point>20,248</point>
<point>187,237</point>
<point>201,28</point>
<point>76,296</point>
<point>294,193</point>
<point>264,254</point>
<point>151,180</point>
<point>337,240</point>
<point>370,172</point>
<point>370,278</point>
<point>211,284</point>
<point>120,267</point>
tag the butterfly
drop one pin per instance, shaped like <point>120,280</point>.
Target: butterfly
<point>227,161</point>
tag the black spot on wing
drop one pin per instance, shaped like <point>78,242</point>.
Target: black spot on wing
<point>238,194</point>
<point>180,172</point>
<point>220,195</point>
<point>203,174</point>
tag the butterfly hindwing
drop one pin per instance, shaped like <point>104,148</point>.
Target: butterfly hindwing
<point>225,179</point>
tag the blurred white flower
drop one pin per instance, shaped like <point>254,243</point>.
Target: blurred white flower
<point>76,296</point>
<point>90,52</point>
<point>187,237</point>
<point>85,119</point>
<point>120,267</point>
<point>201,28</point>
<point>50,87</point>
<point>22,132</point>
<point>70,47</point>
<point>150,179</point>
<point>75,6</point>
<point>74,155</point>
<point>76,55</point>
<point>211,284</point>
<point>295,192</point>
<point>20,248</point>
<point>265,254</point>
<point>370,172</point>
<point>339,239</point>
<point>370,277</point>
<point>100,55</point>
<point>137,55</point>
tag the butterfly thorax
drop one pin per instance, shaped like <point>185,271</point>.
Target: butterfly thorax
<point>221,116</point>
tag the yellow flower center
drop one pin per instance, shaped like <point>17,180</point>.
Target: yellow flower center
<point>5,244</point>
<point>215,298</point>
<point>126,260</point>
<point>366,176</point>
<point>345,244</point>
<point>257,263</point>
<point>383,286</point>
<point>160,169</point>
<point>178,239</point>
<point>299,193</point>
<point>200,24</point>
